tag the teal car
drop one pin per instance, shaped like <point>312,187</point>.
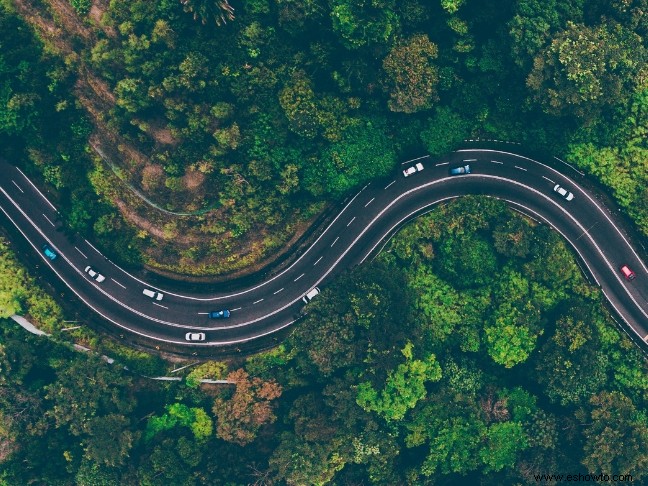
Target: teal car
<point>464,169</point>
<point>48,252</point>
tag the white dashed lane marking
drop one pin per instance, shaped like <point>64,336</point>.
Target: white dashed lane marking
<point>80,252</point>
<point>160,305</point>
<point>389,184</point>
<point>521,168</point>
<point>335,241</point>
<point>442,163</point>
<point>548,179</point>
<point>48,220</point>
<point>260,300</point>
<point>372,199</point>
<point>117,283</point>
<point>318,260</point>
<point>496,162</point>
<point>281,289</point>
<point>299,277</point>
<point>19,188</point>
<point>350,221</point>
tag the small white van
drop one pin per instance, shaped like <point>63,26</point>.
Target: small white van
<point>311,293</point>
<point>153,294</point>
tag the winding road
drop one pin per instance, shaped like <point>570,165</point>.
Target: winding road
<point>355,234</point>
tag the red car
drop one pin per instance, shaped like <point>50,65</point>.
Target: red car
<point>627,273</point>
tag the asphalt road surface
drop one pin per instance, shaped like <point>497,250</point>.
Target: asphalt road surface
<point>355,234</point>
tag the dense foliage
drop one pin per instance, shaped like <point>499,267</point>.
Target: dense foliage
<point>394,377</point>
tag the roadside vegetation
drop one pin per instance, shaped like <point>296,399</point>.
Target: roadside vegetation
<point>250,118</point>
<point>418,368</point>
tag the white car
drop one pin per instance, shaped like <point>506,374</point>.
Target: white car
<point>311,293</point>
<point>94,275</point>
<point>563,192</point>
<point>195,336</point>
<point>412,170</point>
<point>153,294</point>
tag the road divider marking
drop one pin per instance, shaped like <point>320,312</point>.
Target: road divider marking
<point>299,277</point>
<point>123,287</point>
<point>372,200</point>
<point>442,163</point>
<point>80,252</point>
<point>160,305</point>
<point>548,179</point>
<point>256,302</point>
<point>281,289</point>
<point>19,188</point>
<point>48,220</point>
<point>586,232</point>
<point>318,260</point>
<point>92,246</point>
<point>350,221</point>
<point>389,184</point>
<point>37,189</point>
<point>497,162</point>
<point>521,168</point>
<point>414,160</point>
<point>335,241</point>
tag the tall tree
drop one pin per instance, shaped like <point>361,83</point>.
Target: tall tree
<point>411,77</point>
<point>616,438</point>
<point>248,408</point>
<point>586,68</point>
<point>207,11</point>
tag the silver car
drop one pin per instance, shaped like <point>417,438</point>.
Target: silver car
<point>94,275</point>
<point>412,170</point>
<point>563,192</point>
<point>195,336</point>
<point>153,294</point>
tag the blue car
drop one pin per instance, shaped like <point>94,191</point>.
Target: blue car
<point>464,169</point>
<point>221,314</point>
<point>49,253</point>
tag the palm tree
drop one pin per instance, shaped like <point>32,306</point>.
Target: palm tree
<point>220,11</point>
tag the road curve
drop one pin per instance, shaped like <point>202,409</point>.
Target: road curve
<point>356,233</point>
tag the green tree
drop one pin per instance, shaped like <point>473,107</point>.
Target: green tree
<point>364,153</point>
<point>411,78</point>
<point>403,388</point>
<point>109,439</point>
<point>364,22</point>
<point>504,442</point>
<point>535,22</point>
<point>586,68</point>
<point>467,261</point>
<point>514,237</point>
<point>455,449</point>
<point>444,131</point>
<point>616,437</point>
<point>300,462</point>
<point>81,6</point>
<point>298,102</point>
<point>509,342</point>
<point>208,11</point>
